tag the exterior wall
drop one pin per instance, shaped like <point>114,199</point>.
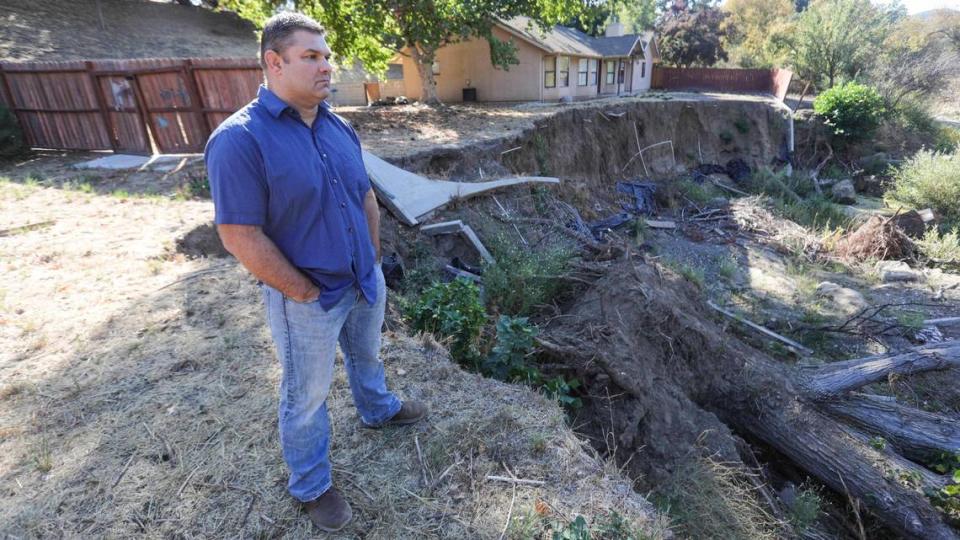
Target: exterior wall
<point>348,93</point>
<point>573,91</point>
<point>642,72</point>
<point>614,88</point>
<point>467,65</point>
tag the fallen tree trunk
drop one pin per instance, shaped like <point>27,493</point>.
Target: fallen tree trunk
<point>840,377</point>
<point>641,330</point>
<point>917,435</point>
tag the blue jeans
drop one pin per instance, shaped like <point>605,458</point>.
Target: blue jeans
<point>305,337</point>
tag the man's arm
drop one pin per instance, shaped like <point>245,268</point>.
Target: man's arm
<point>258,254</point>
<point>372,210</point>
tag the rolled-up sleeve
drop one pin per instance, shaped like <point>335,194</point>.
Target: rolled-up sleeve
<point>237,178</point>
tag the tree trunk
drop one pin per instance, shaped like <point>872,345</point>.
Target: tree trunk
<point>651,338</point>
<point>424,61</point>
<point>837,378</point>
<point>917,435</point>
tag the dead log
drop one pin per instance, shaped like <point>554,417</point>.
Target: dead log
<point>840,377</point>
<point>918,435</point>
<point>663,349</point>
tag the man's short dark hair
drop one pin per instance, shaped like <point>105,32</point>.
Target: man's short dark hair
<point>279,29</point>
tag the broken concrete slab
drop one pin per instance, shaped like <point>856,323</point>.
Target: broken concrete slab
<point>458,227</point>
<point>410,196</point>
<point>844,193</point>
<point>156,162</point>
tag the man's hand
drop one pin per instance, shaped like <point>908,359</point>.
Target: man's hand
<point>258,254</point>
<point>372,211</point>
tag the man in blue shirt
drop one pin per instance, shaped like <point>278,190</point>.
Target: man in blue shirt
<point>294,205</point>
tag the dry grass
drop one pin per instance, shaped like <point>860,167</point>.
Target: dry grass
<point>150,410</point>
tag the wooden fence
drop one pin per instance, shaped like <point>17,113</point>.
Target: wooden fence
<point>738,81</point>
<point>136,106</point>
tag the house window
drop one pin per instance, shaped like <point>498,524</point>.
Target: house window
<point>620,73</point>
<point>394,72</point>
<point>583,72</point>
<point>550,72</point>
<point>593,71</point>
<point>564,71</point>
<point>643,69</point>
<point>611,70</point>
<point>435,68</point>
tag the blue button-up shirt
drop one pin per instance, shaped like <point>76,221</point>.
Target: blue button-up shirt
<point>305,186</point>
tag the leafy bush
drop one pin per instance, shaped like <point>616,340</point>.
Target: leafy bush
<point>522,278</point>
<point>561,389</point>
<point>853,110</point>
<point>11,138</point>
<point>929,180</point>
<point>941,249</point>
<point>508,359</point>
<point>451,311</point>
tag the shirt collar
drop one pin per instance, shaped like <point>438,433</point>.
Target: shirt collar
<point>275,106</point>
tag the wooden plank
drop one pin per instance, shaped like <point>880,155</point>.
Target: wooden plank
<point>447,227</point>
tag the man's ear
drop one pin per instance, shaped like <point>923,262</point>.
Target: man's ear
<point>274,61</point>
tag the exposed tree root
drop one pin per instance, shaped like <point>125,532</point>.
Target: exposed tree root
<point>641,333</point>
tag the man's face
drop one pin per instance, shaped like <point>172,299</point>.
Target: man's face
<point>303,70</point>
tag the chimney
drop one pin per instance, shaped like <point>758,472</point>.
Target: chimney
<point>614,29</point>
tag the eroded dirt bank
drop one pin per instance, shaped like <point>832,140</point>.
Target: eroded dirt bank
<point>603,141</point>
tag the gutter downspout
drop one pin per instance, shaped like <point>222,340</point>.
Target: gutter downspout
<point>790,137</point>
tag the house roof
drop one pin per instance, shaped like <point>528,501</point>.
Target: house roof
<point>564,40</point>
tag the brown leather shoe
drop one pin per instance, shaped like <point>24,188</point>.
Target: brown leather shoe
<point>330,512</point>
<point>410,412</point>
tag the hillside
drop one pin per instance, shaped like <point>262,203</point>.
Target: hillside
<point>49,30</point>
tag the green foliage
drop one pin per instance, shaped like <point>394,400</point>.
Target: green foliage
<point>837,38</point>
<point>575,530</point>
<point>941,249</point>
<point>687,271</point>
<point>947,498</point>
<point>196,187</point>
<point>562,390</point>
<point>11,138</point>
<point>451,311</point>
<point>692,36</point>
<point>523,278</point>
<point>805,510</point>
<point>816,212</point>
<point>946,140</point>
<point>753,23</point>
<point>371,31</point>
<point>508,359</point>
<point>879,443</point>
<point>929,180</point>
<point>852,110</point>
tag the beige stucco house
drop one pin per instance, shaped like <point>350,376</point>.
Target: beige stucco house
<point>559,63</point>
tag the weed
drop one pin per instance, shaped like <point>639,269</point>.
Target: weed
<point>614,526</point>
<point>562,389</point>
<point>523,278</point>
<point>526,526</point>
<point>941,249</point>
<point>805,510</point>
<point>726,137</point>
<point>929,180</point>
<point>727,267</point>
<point>196,187</point>
<point>452,311</point>
<point>43,457</point>
<point>816,212</point>
<point>878,443</point>
<point>155,266</point>
<point>742,125</point>
<point>688,272</point>
<point>538,444</point>
<point>575,530</point>
<point>639,230</point>
<point>508,359</point>
<point>708,499</point>
<point>911,320</point>
<point>121,194</point>
<point>540,153</point>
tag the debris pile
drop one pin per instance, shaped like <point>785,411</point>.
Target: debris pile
<point>879,238</point>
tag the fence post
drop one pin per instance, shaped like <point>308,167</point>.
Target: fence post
<point>195,98</point>
<point>104,111</point>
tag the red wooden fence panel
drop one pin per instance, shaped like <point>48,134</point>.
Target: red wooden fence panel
<point>225,85</point>
<point>56,104</point>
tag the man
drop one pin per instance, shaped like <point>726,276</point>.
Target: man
<point>294,205</point>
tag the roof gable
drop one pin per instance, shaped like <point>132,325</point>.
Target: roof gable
<point>564,40</point>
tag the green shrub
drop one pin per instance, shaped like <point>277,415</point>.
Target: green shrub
<point>816,212</point>
<point>508,359</point>
<point>929,180</point>
<point>451,311</point>
<point>523,278</point>
<point>941,249</point>
<point>853,110</point>
<point>11,138</point>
